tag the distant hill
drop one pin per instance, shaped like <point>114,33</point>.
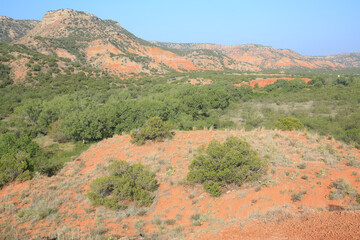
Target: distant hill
<point>11,30</point>
<point>346,59</point>
<point>105,45</point>
<point>260,56</point>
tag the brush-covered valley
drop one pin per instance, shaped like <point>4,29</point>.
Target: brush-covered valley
<point>104,135</point>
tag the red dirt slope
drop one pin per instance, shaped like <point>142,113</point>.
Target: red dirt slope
<point>319,225</point>
<point>267,81</point>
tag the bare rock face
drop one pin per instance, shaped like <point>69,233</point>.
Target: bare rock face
<point>345,59</point>
<point>105,44</point>
<point>258,56</point>
<point>11,30</point>
<point>67,22</point>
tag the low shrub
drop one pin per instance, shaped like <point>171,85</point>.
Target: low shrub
<point>302,166</point>
<point>220,164</point>
<point>213,188</point>
<point>357,198</point>
<point>196,219</point>
<point>124,184</point>
<point>342,188</point>
<point>353,136</point>
<point>288,123</point>
<point>304,177</point>
<point>154,129</point>
<point>298,196</point>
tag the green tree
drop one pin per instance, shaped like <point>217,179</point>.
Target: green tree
<point>17,154</point>
<point>154,129</point>
<point>5,78</point>
<point>125,183</point>
<point>288,123</point>
<point>231,162</point>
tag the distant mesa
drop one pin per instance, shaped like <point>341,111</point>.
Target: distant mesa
<point>104,44</point>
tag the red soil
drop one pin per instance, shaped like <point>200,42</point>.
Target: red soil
<point>170,59</point>
<point>318,225</point>
<point>267,81</point>
<point>194,81</point>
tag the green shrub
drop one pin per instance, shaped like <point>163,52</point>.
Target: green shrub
<point>342,188</point>
<point>353,135</point>
<point>213,188</point>
<point>357,198</point>
<point>154,129</point>
<point>17,154</point>
<point>231,162</point>
<point>304,177</point>
<point>196,219</point>
<point>5,78</point>
<point>288,123</point>
<point>125,183</point>
<point>297,196</point>
<point>302,166</point>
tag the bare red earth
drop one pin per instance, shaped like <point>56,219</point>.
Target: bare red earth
<point>267,81</point>
<point>319,225</point>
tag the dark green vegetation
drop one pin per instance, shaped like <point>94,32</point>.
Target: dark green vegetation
<point>5,78</point>
<point>125,183</point>
<point>221,164</point>
<point>21,157</point>
<point>288,123</point>
<point>95,114</point>
<point>154,129</point>
<point>17,157</point>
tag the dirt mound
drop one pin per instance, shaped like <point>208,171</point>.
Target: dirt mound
<point>58,206</point>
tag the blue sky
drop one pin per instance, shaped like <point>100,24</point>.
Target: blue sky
<point>315,27</point>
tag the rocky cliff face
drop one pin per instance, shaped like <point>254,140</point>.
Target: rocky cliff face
<point>258,55</point>
<point>11,30</point>
<point>345,59</point>
<point>105,45</point>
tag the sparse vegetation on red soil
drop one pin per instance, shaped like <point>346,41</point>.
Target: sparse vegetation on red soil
<point>57,206</point>
<point>267,81</point>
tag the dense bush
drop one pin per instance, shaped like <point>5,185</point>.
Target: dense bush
<point>353,135</point>
<point>17,157</point>
<point>154,129</point>
<point>20,157</point>
<point>293,85</point>
<point>220,164</point>
<point>288,123</point>
<point>344,81</point>
<point>125,183</point>
<point>99,112</point>
<point>5,78</point>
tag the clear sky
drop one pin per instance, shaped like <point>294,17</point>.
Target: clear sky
<point>310,27</point>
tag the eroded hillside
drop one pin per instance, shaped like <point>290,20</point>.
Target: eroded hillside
<point>12,30</point>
